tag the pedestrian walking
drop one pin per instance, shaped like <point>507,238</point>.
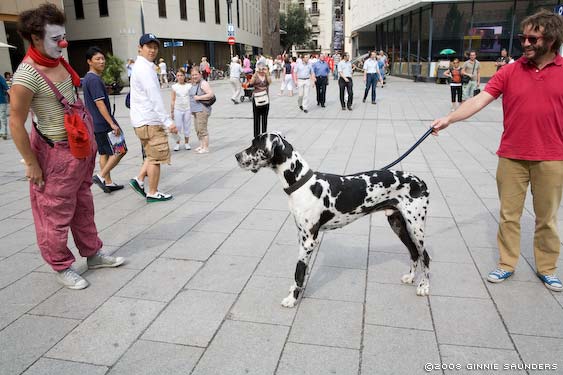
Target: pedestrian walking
<point>303,77</point>
<point>336,58</point>
<point>4,88</point>
<point>371,76</point>
<point>321,71</point>
<point>180,109</point>
<point>204,68</point>
<point>531,147</point>
<point>150,120</point>
<point>59,182</point>
<point>454,75</point>
<point>96,100</point>
<point>163,73</point>
<point>200,92</point>
<point>383,66</point>
<point>234,74</point>
<point>261,81</point>
<point>345,82</point>
<point>287,82</point>
<point>129,68</point>
<point>472,70</point>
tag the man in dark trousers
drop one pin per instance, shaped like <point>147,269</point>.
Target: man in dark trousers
<point>321,70</point>
<point>531,147</point>
<point>345,81</point>
<point>97,102</point>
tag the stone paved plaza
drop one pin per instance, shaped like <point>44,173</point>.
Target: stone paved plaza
<point>207,271</point>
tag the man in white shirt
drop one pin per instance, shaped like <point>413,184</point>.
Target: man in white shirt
<point>163,72</point>
<point>345,81</point>
<point>304,75</point>
<point>150,120</point>
<point>371,76</point>
<point>234,74</point>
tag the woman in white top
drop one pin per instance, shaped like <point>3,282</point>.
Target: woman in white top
<point>180,109</point>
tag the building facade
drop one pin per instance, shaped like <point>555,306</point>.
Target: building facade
<point>188,29</point>
<point>414,32</point>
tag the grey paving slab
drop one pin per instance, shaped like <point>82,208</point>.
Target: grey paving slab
<point>260,301</point>
<point>17,266</point>
<point>540,350</point>
<point>328,323</point>
<point>192,318</point>
<point>265,220</point>
<point>469,322</point>
<point>67,303</point>
<point>336,283</point>
<point>141,251</point>
<point>116,325</point>
<point>468,283</point>
<point>343,250</point>
<point>301,359</point>
<point>24,341</point>
<point>220,221</point>
<point>396,306</point>
<point>46,366</point>
<point>161,280</point>
<point>223,273</point>
<point>243,348</point>
<point>149,357</point>
<point>279,261</point>
<point>247,242</point>
<point>388,268</point>
<point>25,294</point>
<point>15,242</point>
<point>397,350</point>
<point>487,259</point>
<point>195,245</point>
<point>479,360</point>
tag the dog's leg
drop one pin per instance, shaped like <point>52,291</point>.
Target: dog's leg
<point>307,244</point>
<point>399,226</point>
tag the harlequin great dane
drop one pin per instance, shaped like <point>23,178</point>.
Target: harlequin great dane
<point>321,201</point>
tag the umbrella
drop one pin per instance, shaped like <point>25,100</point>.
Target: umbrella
<point>447,51</point>
<point>4,45</point>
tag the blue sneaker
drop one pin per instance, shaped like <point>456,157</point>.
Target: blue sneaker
<point>551,282</point>
<point>498,275</point>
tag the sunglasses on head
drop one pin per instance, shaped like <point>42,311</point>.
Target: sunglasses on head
<point>532,39</point>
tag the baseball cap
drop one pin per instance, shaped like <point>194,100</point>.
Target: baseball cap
<point>147,38</point>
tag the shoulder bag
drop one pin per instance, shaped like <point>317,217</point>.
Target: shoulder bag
<point>206,102</point>
<point>465,79</point>
<point>261,98</point>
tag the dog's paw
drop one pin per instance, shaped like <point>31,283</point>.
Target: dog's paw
<point>289,301</point>
<point>423,289</point>
<point>408,278</point>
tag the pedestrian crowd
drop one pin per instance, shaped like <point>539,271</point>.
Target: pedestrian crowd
<point>59,153</point>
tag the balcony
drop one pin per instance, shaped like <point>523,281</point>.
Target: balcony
<point>314,12</point>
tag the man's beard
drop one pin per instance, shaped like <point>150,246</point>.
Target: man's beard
<point>540,51</point>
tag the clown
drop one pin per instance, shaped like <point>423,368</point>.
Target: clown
<point>59,182</point>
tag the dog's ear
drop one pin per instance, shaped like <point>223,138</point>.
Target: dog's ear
<point>280,149</point>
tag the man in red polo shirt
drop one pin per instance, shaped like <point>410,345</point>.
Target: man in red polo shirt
<point>531,147</point>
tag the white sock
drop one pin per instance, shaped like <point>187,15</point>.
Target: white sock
<point>141,183</point>
<point>101,178</point>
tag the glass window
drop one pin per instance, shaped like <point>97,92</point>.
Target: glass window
<point>451,24</point>
<point>201,11</point>
<point>492,24</point>
<point>103,5</point>
<point>217,13</point>
<point>405,37</point>
<point>238,14</point>
<point>523,10</point>
<point>415,35</point>
<point>183,10</point>
<point>396,39</point>
<point>162,8</point>
<point>79,9</point>
<point>424,34</point>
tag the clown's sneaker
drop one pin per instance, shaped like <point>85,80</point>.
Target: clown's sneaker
<point>498,275</point>
<point>551,282</point>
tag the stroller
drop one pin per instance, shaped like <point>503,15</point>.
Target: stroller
<point>248,90</point>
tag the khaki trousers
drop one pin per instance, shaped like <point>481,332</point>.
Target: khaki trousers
<point>546,180</point>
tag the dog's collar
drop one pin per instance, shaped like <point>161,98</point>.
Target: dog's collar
<point>299,183</point>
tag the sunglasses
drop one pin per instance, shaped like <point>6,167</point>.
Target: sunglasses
<point>532,39</point>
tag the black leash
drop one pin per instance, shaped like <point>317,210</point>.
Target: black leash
<point>428,132</point>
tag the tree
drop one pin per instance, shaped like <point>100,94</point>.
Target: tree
<point>294,23</point>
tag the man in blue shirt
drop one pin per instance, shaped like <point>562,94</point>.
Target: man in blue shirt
<point>321,70</point>
<point>3,108</point>
<point>97,102</point>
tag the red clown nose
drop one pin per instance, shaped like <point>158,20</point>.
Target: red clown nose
<point>62,43</point>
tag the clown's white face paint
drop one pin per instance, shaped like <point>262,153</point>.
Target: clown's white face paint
<point>54,40</point>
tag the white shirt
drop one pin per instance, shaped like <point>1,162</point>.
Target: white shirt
<point>182,102</point>
<point>162,67</point>
<point>235,70</point>
<point>371,66</point>
<point>147,107</point>
<point>346,68</point>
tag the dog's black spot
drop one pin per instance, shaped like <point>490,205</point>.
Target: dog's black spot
<point>416,189</point>
<point>350,192</point>
<point>385,177</point>
<point>326,201</point>
<point>326,216</point>
<point>388,204</point>
<point>300,271</point>
<point>292,166</point>
<point>317,189</point>
<point>298,167</point>
<point>425,258</point>
<point>290,177</point>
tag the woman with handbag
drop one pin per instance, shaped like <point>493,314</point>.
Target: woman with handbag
<point>201,99</point>
<point>455,77</point>
<point>58,164</point>
<point>261,81</point>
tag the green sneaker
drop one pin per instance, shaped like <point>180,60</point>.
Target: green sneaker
<point>139,189</point>
<point>158,197</point>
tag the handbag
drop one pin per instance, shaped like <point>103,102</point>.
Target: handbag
<point>207,102</point>
<point>466,79</point>
<point>77,121</point>
<point>261,98</point>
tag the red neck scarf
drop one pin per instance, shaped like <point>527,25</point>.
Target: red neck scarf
<point>49,62</point>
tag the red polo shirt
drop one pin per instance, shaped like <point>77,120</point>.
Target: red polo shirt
<point>532,103</point>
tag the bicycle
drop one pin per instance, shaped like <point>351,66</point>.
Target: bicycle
<point>216,74</point>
